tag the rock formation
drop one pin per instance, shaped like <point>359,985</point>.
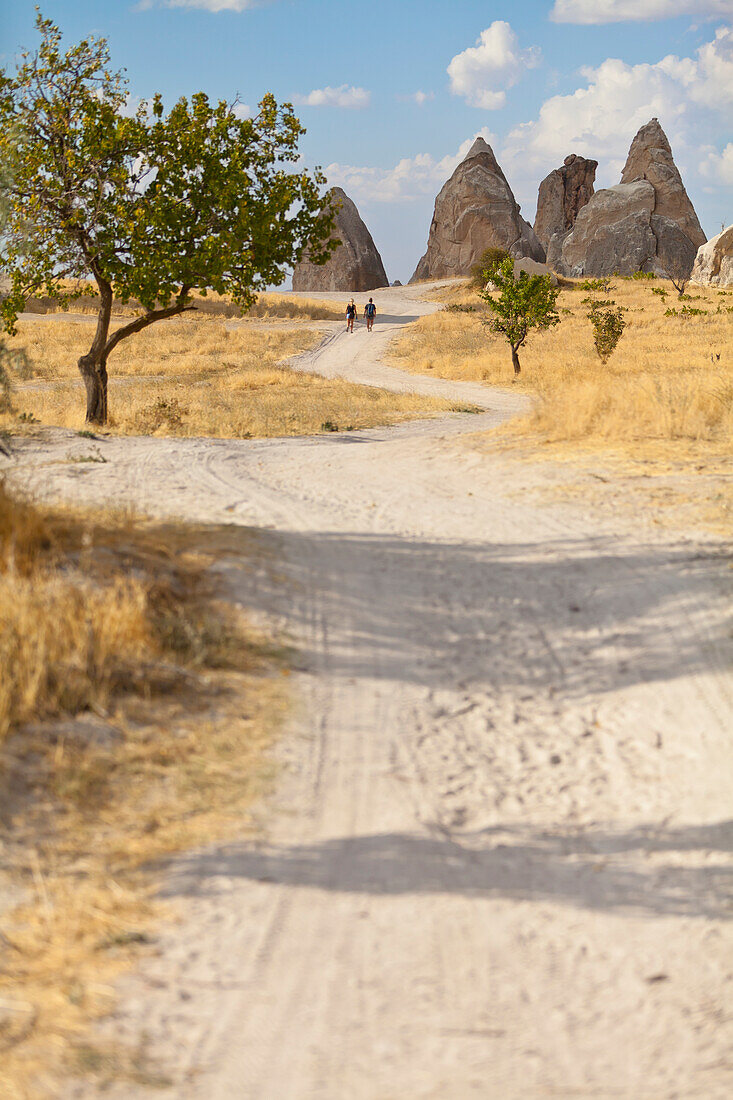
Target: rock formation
<point>532,267</point>
<point>475,210</point>
<point>714,261</point>
<point>562,195</point>
<point>355,265</point>
<point>650,158</point>
<point>644,223</point>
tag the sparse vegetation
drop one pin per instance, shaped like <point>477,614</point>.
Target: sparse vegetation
<point>199,378</point>
<point>270,305</point>
<point>606,319</point>
<point>662,384</point>
<point>151,706</point>
<point>518,305</point>
<point>490,259</point>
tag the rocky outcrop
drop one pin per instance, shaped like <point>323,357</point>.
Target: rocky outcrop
<point>644,223</point>
<point>475,210</point>
<point>714,261</point>
<point>532,267</point>
<point>562,195</point>
<point>611,233</point>
<point>650,158</point>
<point>355,265</point>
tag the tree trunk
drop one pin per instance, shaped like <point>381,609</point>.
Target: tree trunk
<point>93,365</point>
<point>94,372</point>
<point>515,362</point>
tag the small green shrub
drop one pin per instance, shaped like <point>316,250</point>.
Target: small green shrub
<point>606,318</point>
<point>608,324</point>
<point>489,258</point>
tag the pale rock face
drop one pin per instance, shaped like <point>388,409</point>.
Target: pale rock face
<point>475,210</point>
<point>562,195</point>
<point>611,233</point>
<point>650,158</point>
<point>355,265</point>
<point>532,267</point>
<point>714,261</point>
<point>645,223</point>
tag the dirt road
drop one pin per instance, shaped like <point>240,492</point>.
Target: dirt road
<point>498,860</point>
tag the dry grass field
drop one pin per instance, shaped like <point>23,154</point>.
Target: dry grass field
<point>152,710</point>
<point>269,306</point>
<point>196,377</point>
<point>670,380</point>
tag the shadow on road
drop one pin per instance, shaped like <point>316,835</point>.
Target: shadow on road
<point>574,616</point>
<point>580,869</point>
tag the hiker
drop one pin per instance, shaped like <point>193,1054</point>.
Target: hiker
<point>350,315</point>
<point>370,312</point>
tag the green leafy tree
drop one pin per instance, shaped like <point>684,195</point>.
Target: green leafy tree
<point>606,318</point>
<point>519,305</point>
<point>13,361</point>
<point>145,205</point>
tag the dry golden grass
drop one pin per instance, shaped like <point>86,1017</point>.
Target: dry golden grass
<point>269,306</point>
<point>119,622</point>
<point>663,382</point>
<point>195,377</point>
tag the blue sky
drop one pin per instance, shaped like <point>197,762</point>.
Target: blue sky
<point>393,91</point>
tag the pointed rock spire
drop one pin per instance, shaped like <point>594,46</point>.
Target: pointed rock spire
<point>475,210</point>
<point>355,265</point>
<point>650,158</point>
<point>479,146</point>
<point>644,223</point>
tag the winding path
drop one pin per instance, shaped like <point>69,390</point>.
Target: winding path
<point>498,861</point>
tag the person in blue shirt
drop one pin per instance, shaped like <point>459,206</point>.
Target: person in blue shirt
<point>370,312</point>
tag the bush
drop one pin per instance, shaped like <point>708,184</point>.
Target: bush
<point>607,321</point>
<point>606,318</point>
<point>490,258</point>
<point>166,412</point>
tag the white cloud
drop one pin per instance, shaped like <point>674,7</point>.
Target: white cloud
<point>719,166</point>
<point>241,111</point>
<point>482,72</point>
<point>599,119</point>
<point>421,98</point>
<point>343,96</point>
<point>618,11</point>
<point>213,5</point>
<point>411,178</point>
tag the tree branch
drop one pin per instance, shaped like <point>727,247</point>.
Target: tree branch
<point>143,322</point>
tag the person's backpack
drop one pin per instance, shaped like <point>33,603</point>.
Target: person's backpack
<point>371,309</point>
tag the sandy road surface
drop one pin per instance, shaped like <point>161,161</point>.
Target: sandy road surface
<point>498,862</point>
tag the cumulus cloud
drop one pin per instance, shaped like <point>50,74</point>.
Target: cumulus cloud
<point>343,96</point>
<point>482,72</point>
<point>241,111</point>
<point>718,167</point>
<point>421,98</point>
<point>600,118</point>
<point>619,11</point>
<point>411,178</point>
